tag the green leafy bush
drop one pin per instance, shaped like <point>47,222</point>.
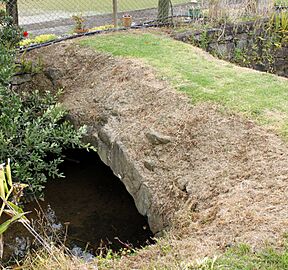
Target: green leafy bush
<point>33,130</point>
<point>33,133</point>
<point>10,34</point>
<point>7,65</point>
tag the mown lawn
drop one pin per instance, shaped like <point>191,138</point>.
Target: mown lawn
<point>204,78</point>
<point>243,257</point>
<point>281,2</point>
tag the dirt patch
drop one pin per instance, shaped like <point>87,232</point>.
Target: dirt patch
<point>217,179</point>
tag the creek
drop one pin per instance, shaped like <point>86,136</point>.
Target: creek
<point>90,208</point>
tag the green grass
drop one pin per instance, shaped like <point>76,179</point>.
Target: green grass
<point>281,2</point>
<point>28,7</point>
<point>244,258</point>
<point>259,95</point>
<point>241,257</point>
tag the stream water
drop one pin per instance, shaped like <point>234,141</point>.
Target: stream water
<point>93,204</point>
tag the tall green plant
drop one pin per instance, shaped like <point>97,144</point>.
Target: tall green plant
<point>9,192</point>
<point>279,22</point>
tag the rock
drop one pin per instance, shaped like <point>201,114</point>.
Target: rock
<point>182,183</point>
<point>105,136</point>
<point>53,74</point>
<point>149,164</point>
<point>20,79</point>
<point>155,137</point>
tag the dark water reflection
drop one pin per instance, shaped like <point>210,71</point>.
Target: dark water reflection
<point>95,203</point>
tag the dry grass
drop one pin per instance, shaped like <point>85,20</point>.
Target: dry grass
<point>235,10</point>
<point>58,260</point>
<point>226,176</point>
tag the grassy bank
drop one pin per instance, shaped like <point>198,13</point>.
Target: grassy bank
<point>262,96</point>
<point>203,78</point>
<point>244,258</point>
<point>240,257</point>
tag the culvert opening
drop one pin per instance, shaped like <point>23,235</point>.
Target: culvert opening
<point>90,210</point>
<point>94,203</point>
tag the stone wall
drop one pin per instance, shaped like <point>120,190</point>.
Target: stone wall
<point>246,44</point>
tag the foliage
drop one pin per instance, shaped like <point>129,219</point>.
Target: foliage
<point>10,194</point>
<point>28,66</point>
<point>10,35</point>
<point>34,133</point>
<point>37,40</point>
<point>279,23</point>
<point>258,50</point>
<point>266,40</point>
<point>7,65</point>
<point>79,23</point>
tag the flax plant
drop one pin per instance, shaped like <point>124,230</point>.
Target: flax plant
<point>10,194</point>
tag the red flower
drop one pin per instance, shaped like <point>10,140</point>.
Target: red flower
<point>25,34</point>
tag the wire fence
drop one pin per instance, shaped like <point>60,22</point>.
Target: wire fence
<point>54,16</point>
<point>60,17</point>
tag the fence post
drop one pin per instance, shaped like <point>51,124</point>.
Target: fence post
<point>12,10</point>
<point>163,11</point>
<point>115,13</point>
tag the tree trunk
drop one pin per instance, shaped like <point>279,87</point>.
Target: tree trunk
<point>163,10</point>
<point>12,10</point>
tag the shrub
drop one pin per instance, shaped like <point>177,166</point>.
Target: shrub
<point>7,65</point>
<point>10,34</point>
<point>34,134</point>
<point>33,131</point>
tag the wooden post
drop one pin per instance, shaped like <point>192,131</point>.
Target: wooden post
<point>12,10</point>
<point>163,11</point>
<point>115,13</point>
